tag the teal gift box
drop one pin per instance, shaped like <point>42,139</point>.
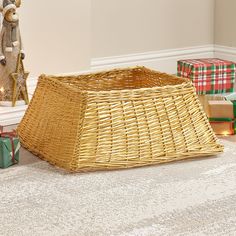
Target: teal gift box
<point>9,149</point>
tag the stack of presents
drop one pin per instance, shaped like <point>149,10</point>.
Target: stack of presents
<point>214,80</point>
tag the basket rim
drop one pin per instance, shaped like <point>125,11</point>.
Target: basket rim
<point>56,79</point>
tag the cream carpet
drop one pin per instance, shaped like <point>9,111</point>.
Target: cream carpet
<point>186,198</point>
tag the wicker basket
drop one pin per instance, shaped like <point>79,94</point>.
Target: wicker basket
<point>116,119</point>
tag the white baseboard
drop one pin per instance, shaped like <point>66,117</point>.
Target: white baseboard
<point>11,115</point>
<point>224,52</point>
<point>163,60</point>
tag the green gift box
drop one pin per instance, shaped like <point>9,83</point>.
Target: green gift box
<point>9,149</point>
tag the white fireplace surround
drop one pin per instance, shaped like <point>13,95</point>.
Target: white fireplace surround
<point>164,60</point>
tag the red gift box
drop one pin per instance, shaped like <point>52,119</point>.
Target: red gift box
<point>210,75</point>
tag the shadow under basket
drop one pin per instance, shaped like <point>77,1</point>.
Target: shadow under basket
<point>116,119</point>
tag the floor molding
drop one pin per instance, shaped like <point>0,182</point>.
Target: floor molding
<point>224,52</point>
<point>11,115</point>
<point>164,60</point>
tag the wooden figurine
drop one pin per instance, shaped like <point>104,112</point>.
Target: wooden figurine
<point>11,56</point>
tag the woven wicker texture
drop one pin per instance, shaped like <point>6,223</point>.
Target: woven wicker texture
<point>116,119</point>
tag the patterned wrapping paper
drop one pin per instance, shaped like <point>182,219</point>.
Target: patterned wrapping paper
<point>210,75</point>
<point>9,143</point>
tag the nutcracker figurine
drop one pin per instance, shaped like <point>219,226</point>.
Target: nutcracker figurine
<point>13,88</point>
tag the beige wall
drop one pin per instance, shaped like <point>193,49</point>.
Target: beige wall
<point>56,35</point>
<point>64,37</point>
<point>225,19</point>
<point>134,26</point>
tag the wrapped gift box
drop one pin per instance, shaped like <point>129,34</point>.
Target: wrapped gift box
<point>222,116</point>
<point>223,127</point>
<point>9,149</point>
<point>221,109</point>
<point>204,99</point>
<point>209,76</point>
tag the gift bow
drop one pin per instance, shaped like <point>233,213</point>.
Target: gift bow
<point>11,135</point>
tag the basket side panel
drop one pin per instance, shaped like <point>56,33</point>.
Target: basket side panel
<point>149,127</point>
<point>49,127</point>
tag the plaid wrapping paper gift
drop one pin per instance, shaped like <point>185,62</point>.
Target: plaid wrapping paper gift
<point>9,149</point>
<point>210,75</point>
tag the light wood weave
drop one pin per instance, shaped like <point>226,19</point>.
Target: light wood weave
<point>116,119</point>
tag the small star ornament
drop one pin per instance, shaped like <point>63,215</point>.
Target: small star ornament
<point>19,83</point>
